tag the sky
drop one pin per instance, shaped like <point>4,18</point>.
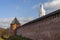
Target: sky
<point>19,8</point>
<point>24,10</point>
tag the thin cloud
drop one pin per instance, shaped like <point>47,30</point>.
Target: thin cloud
<point>17,7</point>
<point>36,6</point>
<point>5,22</point>
<point>50,6</point>
<point>24,1</point>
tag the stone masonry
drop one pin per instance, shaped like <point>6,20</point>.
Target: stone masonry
<point>45,28</point>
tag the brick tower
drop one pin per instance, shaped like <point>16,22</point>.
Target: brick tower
<point>14,25</point>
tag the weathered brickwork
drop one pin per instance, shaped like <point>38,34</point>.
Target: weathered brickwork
<point>45,29</point>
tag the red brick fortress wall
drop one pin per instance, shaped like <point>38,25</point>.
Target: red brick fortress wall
<point>45,29</point>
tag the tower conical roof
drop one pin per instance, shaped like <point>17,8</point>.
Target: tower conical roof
<point>15,21</point>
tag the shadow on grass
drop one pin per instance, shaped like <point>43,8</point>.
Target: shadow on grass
<point>16,37</point>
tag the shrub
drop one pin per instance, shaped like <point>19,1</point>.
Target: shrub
<point>17,38</point>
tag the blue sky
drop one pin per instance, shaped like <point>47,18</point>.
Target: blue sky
<point>24,10</point>
<point>19,8</point>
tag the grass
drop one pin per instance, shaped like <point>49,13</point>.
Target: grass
<point>1,38</point>
<point>15,38</point>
